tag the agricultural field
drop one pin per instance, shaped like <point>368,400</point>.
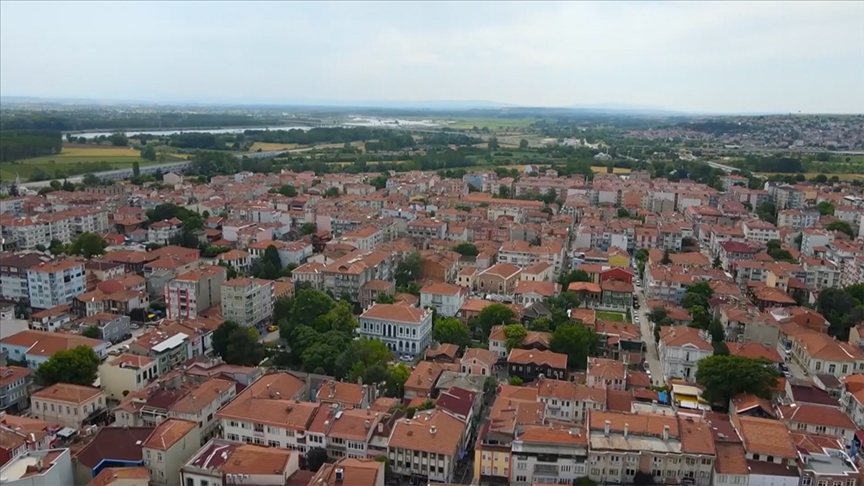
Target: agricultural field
<point>615,170</point>
<point>71,158</point>
<point>272,147</point>
<point>809,175</point>
<point>490,123</point>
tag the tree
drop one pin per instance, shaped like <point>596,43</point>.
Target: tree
<point>308,228</point>
<point>332,192</point>
<point>725,376</point>
<point>408,270</point>
<point>503,191</point>
<point>397,375</point>
<point>466,249</point>
<point>666,260</point>
<point>91,180</point>
<point>68,186</point>
<point>244,348</point>
<point>825,208</point>
<point>493,315</point>
<point>697,294</point>
<point>523,144</point>
<point>315,458</point>
<point>56,185</point>
<point>451,330</point>
<point>136,169</point>
<point>574,276</point>
<point>222,337</point>
<point>271,255</point>
<point>841,226</point>
<point>514,336</point>
<point>717,263</point>
<point>385,299</point>
<point>623,213</point>
<point>78,366</point>
<point>576,341</point>
<point>288,190</point>
<point>541,324</point>
<point>516,381</point>
<point>88,245</point>
<point>492,143</point>
<point>92,332</point>
<point>838,306</point>
<point>641,255</point>
<point>657,314</point>
<point>148,153</point>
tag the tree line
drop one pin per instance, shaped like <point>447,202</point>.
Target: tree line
<point>24,144</point>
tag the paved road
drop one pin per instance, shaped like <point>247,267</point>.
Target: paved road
<point>648,336</point>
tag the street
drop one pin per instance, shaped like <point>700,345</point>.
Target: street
<point>651,357</point>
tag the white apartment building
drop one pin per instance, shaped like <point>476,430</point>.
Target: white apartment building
<point>797,218</point>
<point>27,233</point>
<point>788,197</point>
<point>427,445</point>
<point>545,455</point>
<point>821,273</point>
<point>811,238</point>
<point>191,293</point>
<point>169,446</point>
<point>88,220</point>
<point>761,231</point>
<point>126,373</point>
<point>680,350</point>
<point>55,283</point>
<point>220,462</point>
<point>201,404</point>
<point>523,254</point>
<point>405,330</point>
<point>248,301</point>
<point>445,298</point>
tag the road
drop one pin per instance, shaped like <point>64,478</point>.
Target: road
<point>651,358</point>
<point>113,174</point>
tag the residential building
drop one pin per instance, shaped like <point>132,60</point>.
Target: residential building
<point>817,418</point>
<point>680,349</point>
<point>14,388</point>
<point>356,472</point>
<point>523,254</point>
<point>168,448</point>
<point>39,468</point>
<point>445,298</point>
<point>478,361</point>
<point>604,373</point>
<point>405,330</point>
<point>36,347</point>
<point>191,293</point>
<point>824,460</point>
<point>544,454</point>
<point>772,456</point>
<point>55,283</point>
<point>531,364</point>
<point>567,401</point>
<point>118,446</point>
<point>818,353</point>
<point>760,231</point>
<point>248,302</point>
<point>121,476</point>
<point>69,405</point>
<point>201,404</point>
<point>167,349</point>
<point>126,373</point>
<point>797,218</point>
<point>498,279</point>
<point>537,340</point>
<point>433,435</point>
<point>220,462</point>
<point>14,285</point>
<point>112,328</point>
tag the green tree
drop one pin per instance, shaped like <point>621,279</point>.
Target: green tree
<point>331,192</point>
<point>56,185</point>
<point>136,169</point>
<point>68,186</point>
<point>88,245</point>
<point>408,270</point>
<point>576,341</point>
<point>514,336</point>
<point>523,144</point>
<point>397,375</point>
<point>503,191</point>
<point>717,263</point>
<point>451,330</point>
<point>657,314</point>
<point>467,249</point>
<point>666,259</point>
<point>244,348</point>
<point>92,332</point>
<point>492,143</point>
<point>91,180</point>
<point>697,294</point>
<point>288,190</point>
<point>78,366</point>
<point>516,381</point>
<point>573,276</point>
<point>222,337</point>
<point>148,153</point>
<point>271,255</point>
<point>623,213</point>
<point>315,458</point>
<point>541,324</point>
<point>641,255</point>
<point>841,226</point>
<point>339,318</point>
<point>825,208</point>
<point>385,299</point>
<point>725,376</point>
<point>494,315</point>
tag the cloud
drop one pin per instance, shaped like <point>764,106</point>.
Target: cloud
<point>704,56</point>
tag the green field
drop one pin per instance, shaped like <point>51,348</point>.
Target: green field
<point>611,316</point>
<point>490,123</point>
<point>73,158</point>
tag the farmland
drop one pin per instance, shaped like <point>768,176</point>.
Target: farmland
<point>490,123</point>
<point>74,160</point>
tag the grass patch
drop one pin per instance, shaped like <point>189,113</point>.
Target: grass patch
<point>490,123</point>
<point>73,155</point>
<point>808,175</point>
<point>615,170</point>
<point>272,147</point>
<point>611,316</point>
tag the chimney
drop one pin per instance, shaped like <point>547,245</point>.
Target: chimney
<point>665,432</point>
<point>606,428</point>
<point>432,430</point>
<point>626,430</point>
<point>380,428</point>
<point>653,406</point>
<point>368,424</point>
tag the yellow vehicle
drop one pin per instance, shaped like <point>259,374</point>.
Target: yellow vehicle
<point>272,328</point>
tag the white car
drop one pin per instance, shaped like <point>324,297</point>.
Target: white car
<point>406,358</point>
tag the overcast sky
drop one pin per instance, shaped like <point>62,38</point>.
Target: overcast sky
<point>768,56</point>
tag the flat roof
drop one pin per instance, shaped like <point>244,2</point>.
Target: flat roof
<point>171,342</point>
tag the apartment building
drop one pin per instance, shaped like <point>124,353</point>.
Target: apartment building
<point>201,404</point>
<point>405,330</point>
<point>674,450</point>
<point>821,273</point>
<point>566,401</point>
<point>824,460</point>
<point>248,301</point>
<point>39,468</point>
<point>680,349</point>
<point>852,398</point>
<point>797,218</point>
<point>427,228</point>
<point>760,231</point>
<point>14,388</point>
<point>347,275</point>
<point>55,283</point>
<point>771,454</point>
<point>88,220</point>
<point>427,446</point>
<point>544,454</point>
<point>126,373</point>
<point>168,448</point>
<point>445,298</point>
<point>523,254</point>
<point>787,197</point>
<point>531,364</point>
<point>29,232</point>
<point>161,232</point>
<point>189,294</point>
<point>69,405</point>
<point>222,461</point>
<point>37,347</point>
<point>819,353</point>
<point>14,285</point>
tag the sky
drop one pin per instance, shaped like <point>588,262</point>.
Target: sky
<point>765,57</point>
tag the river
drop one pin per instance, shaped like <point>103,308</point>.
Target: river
<point>216,131</point>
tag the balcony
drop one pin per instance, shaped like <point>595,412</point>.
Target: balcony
<point>546,470</point>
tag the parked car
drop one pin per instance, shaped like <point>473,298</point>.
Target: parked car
<point>406,358</point>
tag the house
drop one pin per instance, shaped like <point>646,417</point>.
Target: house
<point>500,279</point>
<point>530,364</point>
<point>680,350</point>
<point>435,434</point>
<point>112,328</point>
<point>36,468</point>
<point>549,454</point>
<point>356,472</point>
<point>421,382</point>
<point>445,298</point>
<point>444,353</point>
<point>533,340</point>
<point>819,353</point>
<point>69,405</point>
<point>346,395</point>
<point>36,347</point>
<point>478,361</point>
<point>527,292</point>
<point>772,457</point>
<point>168,448</point>
<point>616,294</point>
<point>126,373</point>
<point>405,330</point>
<point>115,446</point>
<point>166,349</point>
<point>121,476</point>
<point>818,419</point>
<point>567,401</point>
<point>824,460</point>
<point>14,388</point>
<point>221,461</point>
<point>609,374</point>
<point>202,402</point>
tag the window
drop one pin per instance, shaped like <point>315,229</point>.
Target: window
<point>629,472</point>
<point>521,479</point>
<point>158,457</point>
<point>838,483</point>
<point>806,481</point>
<point>204,482</point>
<point>755,457</point>
<point>521,466</point>
<point>594,472</point>
<point>706,461</point>
<point>190,482</point>
<point>820,429</point>
<point>850,482</point>
<point>721,478</point>
<point>823,482</point>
